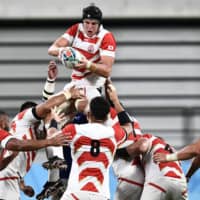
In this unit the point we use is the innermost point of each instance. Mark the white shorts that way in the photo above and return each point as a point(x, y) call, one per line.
point(130, 180)
point(9, 189)
point(90, 91)
point(162, 188)
point(128, 191)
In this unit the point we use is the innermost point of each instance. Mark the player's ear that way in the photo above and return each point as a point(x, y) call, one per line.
point(88, 114)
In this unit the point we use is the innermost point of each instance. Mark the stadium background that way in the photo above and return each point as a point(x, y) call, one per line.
point(157, 71)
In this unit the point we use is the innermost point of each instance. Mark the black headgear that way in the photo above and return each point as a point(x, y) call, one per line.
point(92, 12)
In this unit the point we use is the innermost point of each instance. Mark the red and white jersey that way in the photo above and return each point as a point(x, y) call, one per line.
point(4, 138)
point(167, 169)
point(93, 148)
point(22, 127)
point(114, 121)
point(101, 44)
point(130, 174)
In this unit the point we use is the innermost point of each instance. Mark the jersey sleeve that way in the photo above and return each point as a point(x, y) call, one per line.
point(120, 135)
point(23, 119)
point(70, 33)
point(108, 45)
point(4, 138)
point(69, 129)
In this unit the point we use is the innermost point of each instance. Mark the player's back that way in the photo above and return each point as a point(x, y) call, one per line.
point(167, 169)
point(93, 148)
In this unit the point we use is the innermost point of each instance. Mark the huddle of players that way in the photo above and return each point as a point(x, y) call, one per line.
point(100, 142)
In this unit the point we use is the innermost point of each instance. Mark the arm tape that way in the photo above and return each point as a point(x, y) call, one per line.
point(35, 114)
point(172, 157)
point(124, 118)
point(49, 89)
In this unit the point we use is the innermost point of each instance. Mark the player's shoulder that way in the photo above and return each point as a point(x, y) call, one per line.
point(72, 30)
point(3, 134)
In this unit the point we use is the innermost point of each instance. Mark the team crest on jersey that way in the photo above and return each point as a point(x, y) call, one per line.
point(91, 48)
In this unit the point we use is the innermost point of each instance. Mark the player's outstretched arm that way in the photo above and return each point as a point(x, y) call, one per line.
point(124, 119)
point(195, 165)
point(185, 153)
point(30, 145)
point(43, 109)
point(57, 46)
point(49, 86)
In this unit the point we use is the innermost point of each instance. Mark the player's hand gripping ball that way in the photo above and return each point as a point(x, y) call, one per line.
point(70, 57)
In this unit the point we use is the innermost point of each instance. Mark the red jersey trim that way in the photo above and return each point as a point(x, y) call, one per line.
point(74, 196)
point(131, 182)
point(9, 178)
point(94, 172)
point(157, 187)
point(89, 187)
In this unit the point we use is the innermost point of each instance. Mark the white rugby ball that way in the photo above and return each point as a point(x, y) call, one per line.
point(70, 57)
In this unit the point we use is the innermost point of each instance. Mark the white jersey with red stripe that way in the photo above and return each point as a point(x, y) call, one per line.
point(101, 44)
point(93, 147)
point(162, 180)
point(129, 172)
point(4, 138)
point(168, 169)
point(22, 128)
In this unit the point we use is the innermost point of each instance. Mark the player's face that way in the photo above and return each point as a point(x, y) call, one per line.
point(91, 27)
point(4, 122)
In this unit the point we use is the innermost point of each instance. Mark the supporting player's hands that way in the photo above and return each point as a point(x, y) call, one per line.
point(111, 91)
point(57, 115)
point(52, 70)
point(29, 191)
point(59, 139)
point(26, 189)
point(76, 93)
point(159, 157)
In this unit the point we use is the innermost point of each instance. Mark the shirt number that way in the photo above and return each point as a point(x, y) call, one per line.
point(95, 148)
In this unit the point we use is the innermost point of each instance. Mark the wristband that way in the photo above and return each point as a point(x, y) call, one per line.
point(171, 157)
point(53, 124)
point(88, 65)
point(123, 118)
point(91, 66)
point(51, 80)
point(67, 94)
point(49, 89)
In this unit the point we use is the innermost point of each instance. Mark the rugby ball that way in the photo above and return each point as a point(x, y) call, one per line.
point(70, 57)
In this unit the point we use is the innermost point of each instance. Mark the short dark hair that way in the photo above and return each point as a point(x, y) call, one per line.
point(92, 12)
point(99, 108)
point(26, 105)
point(3, 113)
